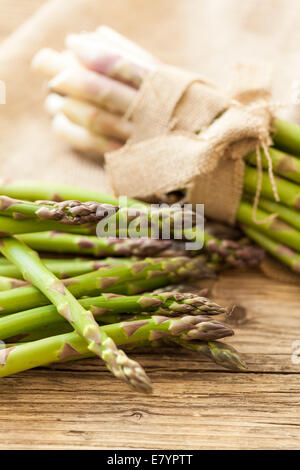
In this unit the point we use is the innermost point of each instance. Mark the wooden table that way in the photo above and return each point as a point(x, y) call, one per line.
point(195, 405)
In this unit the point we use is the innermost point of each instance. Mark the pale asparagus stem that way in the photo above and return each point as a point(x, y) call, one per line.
point(82, 320)
point(50, 62)
point(96, 120)
point(90, 86)
point(70, 345)
point(82, 139)
point(104, 58)
point(107, 35)
point(109, 308)
point(66, 212)
point(59, 242)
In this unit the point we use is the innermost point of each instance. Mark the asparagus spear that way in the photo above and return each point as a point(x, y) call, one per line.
point(82, 320)
point(62, 268)
point(288, 215)
point(93, 87)
point(220, 353)
point(283, 164)
point(57, 348)
point(108, 307)
point(59, 242)
point(50, 62)
point(33, 190)
point(79, 213)
point(96, 120)
point(275, 229)
point(7, 283)
point(234, 253)
point(289, 193)
point(66, 212)
point(222, 231)
point(10, 226)
point(82, 139)
point(127, 278)
point(287, 136)
point(105, 59)
point(280, 251)
point(205, 329)
point(110, 36)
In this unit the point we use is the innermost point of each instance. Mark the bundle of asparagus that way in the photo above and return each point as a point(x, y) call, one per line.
point(93, 84)
point(63, 308)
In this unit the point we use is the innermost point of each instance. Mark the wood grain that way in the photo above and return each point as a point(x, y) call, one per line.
point(195, 404)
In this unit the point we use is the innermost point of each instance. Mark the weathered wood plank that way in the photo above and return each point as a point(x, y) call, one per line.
point(187, 410)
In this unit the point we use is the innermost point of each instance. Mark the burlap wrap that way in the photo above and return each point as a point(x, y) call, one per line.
point(188, 135)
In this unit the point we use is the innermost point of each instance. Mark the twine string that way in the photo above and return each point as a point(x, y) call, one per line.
point(271, 217)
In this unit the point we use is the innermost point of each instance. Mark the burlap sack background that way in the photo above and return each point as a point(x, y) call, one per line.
point(207, 36)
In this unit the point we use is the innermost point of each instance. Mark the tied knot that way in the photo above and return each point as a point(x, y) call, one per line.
point(189, 136)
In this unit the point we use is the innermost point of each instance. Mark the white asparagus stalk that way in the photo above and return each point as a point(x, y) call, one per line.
point(104, 58)
point(50, 62)
point(94, 119)
point(81, 139)
point(91, 86)
point(125, 45)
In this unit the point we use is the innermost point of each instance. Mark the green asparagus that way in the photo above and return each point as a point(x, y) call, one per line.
point(82, 320)
point(66, 212)
point(280, 251)
point(33, 190)
point(10, 226)
point(62, 268)
point(7, 283)
point(108, 306)
point(25, 356)
point(127, 278)
point(283, 164)
point(289, 193)
point(288, 215)
point(286, 136)
point(59, 242)
point(275, 229)
point(220, 353)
